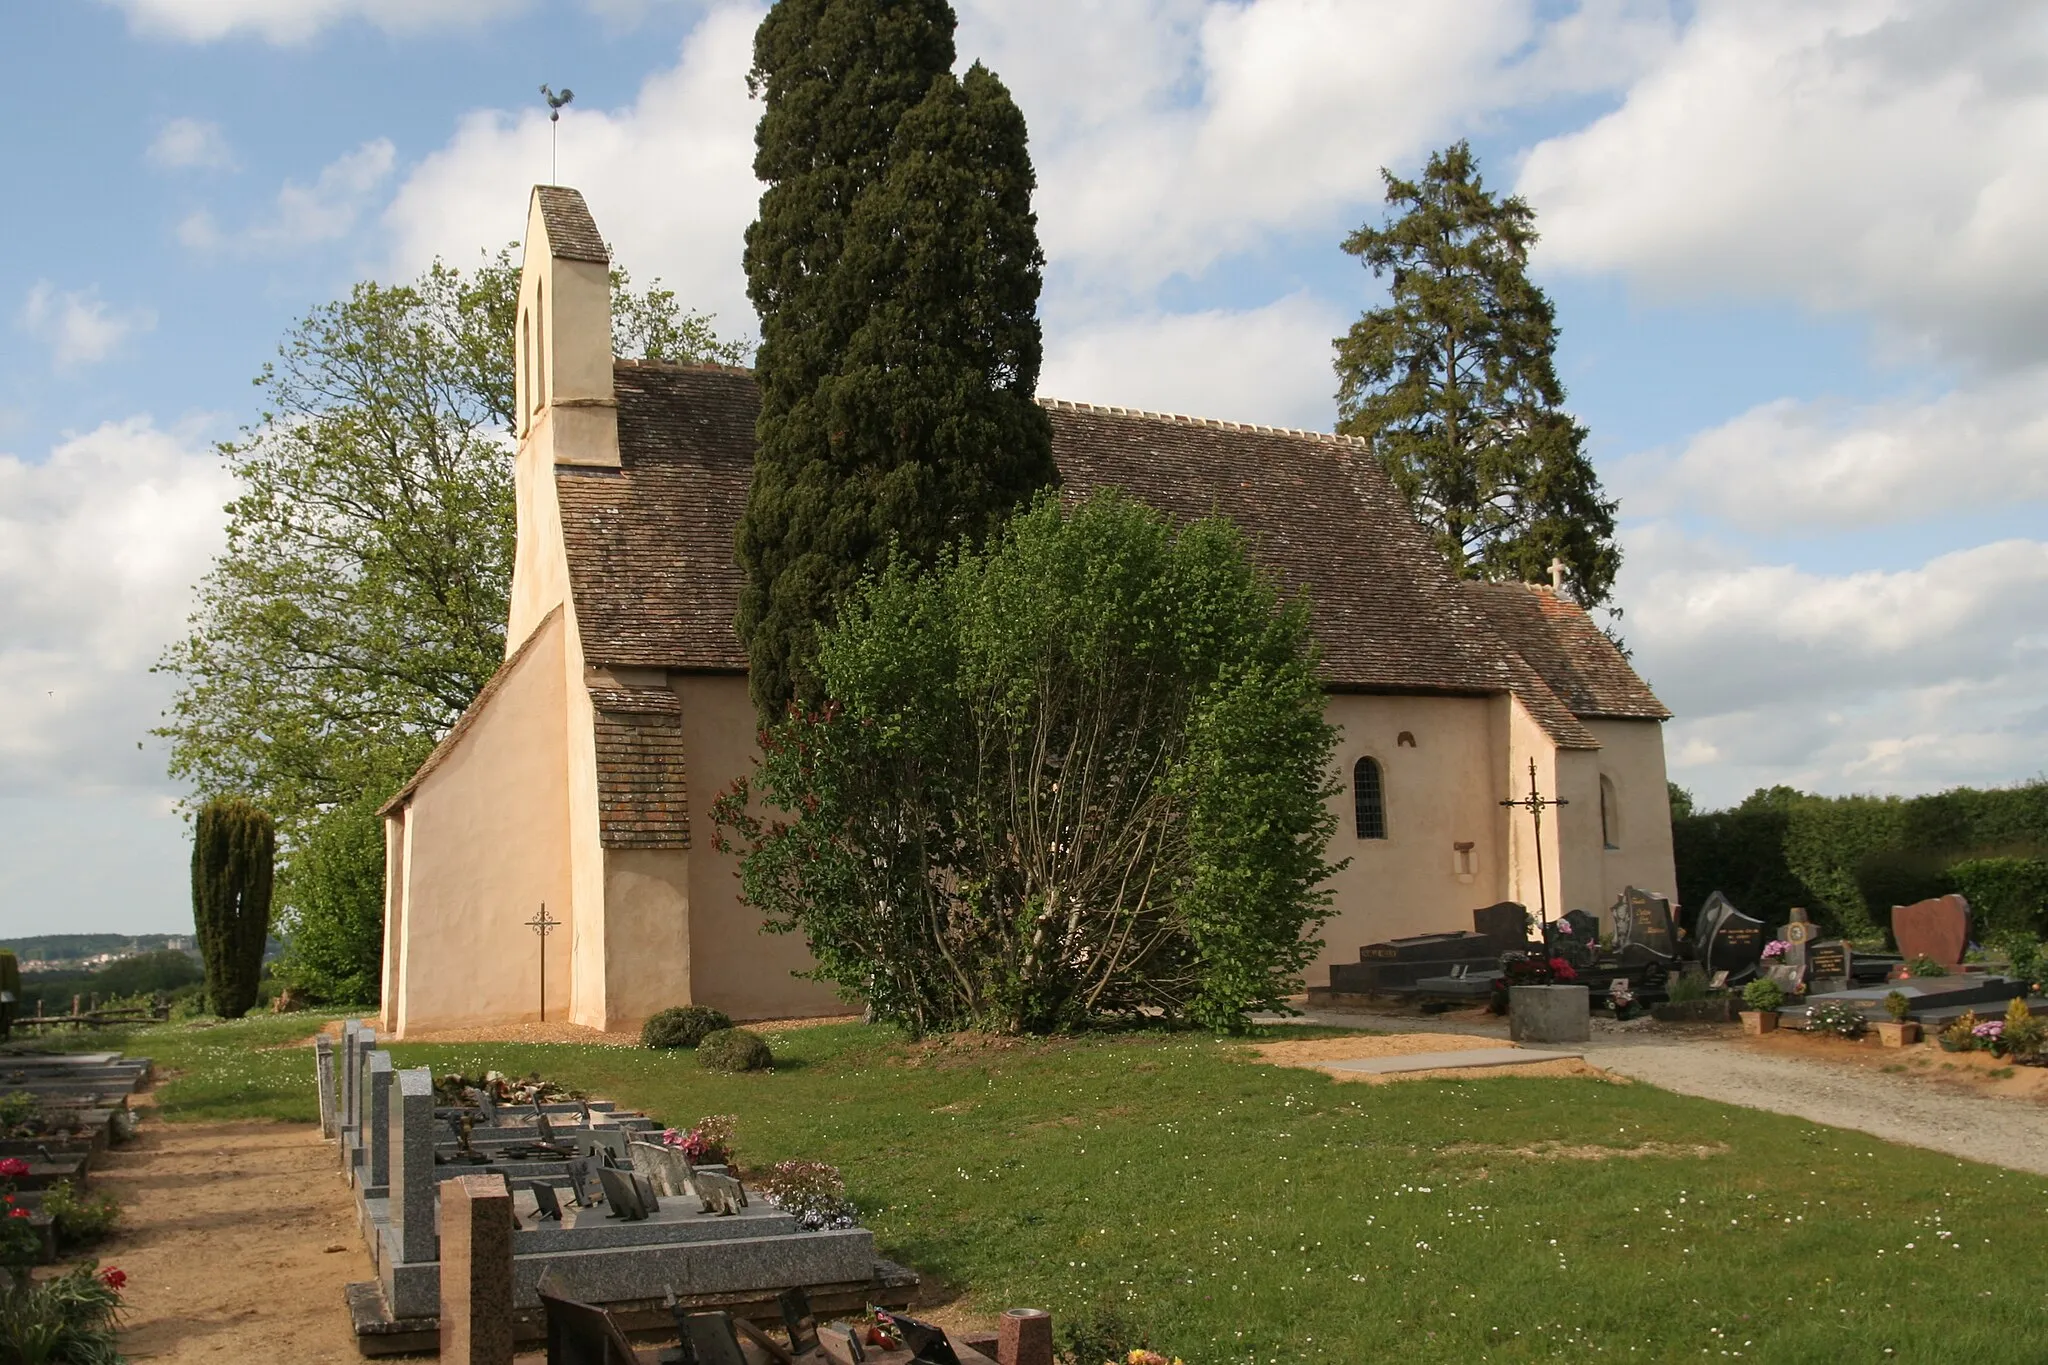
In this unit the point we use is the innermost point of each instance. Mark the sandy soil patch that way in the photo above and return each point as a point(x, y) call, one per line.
point(1974, 1073)
point(1562, 1151)
point(1312, 1052)
point(237, 1239)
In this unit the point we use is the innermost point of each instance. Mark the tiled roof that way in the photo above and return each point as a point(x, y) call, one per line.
point(1579, 663)
point(572, 232)
point(650, 544)
point(642, 795)
point(469, 715)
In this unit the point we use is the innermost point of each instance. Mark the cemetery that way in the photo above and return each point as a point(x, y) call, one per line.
point(59, 1115)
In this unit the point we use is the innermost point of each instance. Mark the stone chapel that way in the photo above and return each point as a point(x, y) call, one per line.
point(581, 776)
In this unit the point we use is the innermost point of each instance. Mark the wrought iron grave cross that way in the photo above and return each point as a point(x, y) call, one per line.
point(1535, 805)
point(543, 925)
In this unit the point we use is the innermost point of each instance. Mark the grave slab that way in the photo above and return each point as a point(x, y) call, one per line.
point(1472, 1058)
point(1549, 1014)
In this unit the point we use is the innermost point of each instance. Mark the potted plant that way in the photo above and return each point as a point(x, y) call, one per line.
point(1902, 1029)
point(1764, 997)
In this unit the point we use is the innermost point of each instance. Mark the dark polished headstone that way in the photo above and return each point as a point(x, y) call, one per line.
point(1830, 964)
point(1728, 940)
point(1644, 919)
point(1505, 926)
point(1451, 947)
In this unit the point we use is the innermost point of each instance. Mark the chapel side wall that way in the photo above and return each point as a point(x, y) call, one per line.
point(733, 965)
point(395, 873)
point(646, 904)
point(1440, 792)
point(489, 846)
point(1581, 860)
point(1632, 758)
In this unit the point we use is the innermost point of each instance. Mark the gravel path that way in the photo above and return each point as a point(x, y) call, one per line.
point(1998, 1131)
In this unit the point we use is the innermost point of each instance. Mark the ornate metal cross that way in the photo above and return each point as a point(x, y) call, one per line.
point(544, 925)
point(1535, 805)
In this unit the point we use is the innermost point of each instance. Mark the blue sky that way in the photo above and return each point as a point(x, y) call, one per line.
point(1794, 252)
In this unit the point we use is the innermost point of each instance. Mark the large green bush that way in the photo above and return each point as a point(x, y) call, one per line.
point(683, 1026)
point(2007, 895)
point(1079, 774)
point(332, 890)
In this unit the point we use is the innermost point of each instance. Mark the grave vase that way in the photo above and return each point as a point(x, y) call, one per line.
point(1759, 1021)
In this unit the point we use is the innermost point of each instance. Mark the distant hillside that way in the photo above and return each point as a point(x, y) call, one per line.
point(77, 947)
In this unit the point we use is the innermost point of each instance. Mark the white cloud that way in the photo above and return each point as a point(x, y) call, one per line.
point(305, 215)
point(1793, 463)
point(100, 544)
point(669, 178)
point(190, 143)
point(1267, 365)
point(1897, 681)
point(1888, 156)
point(1171, 135)
point(79, 329)
point(296, 21)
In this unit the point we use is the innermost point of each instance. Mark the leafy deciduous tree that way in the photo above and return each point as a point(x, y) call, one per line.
point(1455, 386)
point(1081, 773)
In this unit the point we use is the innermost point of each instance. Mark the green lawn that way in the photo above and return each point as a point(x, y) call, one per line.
point(1251, 1214)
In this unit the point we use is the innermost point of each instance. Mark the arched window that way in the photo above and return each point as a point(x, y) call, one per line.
point(540, 345)
point(1610, 814)
point(1370, 798)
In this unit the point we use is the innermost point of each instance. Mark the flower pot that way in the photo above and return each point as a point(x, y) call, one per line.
point(1898, 1034)
point(1759, 1021)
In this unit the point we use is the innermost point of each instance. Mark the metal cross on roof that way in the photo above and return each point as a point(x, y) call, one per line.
point(1535, 804)
point(543, 924)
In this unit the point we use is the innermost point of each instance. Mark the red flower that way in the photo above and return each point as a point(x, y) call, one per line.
point(13, 1166)
point(1562, 970)
point(114, 1278)
point(17, 1213)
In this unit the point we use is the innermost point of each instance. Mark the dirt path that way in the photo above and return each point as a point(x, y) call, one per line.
point(237, 1239)
point(1945, 1104)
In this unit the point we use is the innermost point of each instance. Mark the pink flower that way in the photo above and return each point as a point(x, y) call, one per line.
point(12, 1168)
point(114, 1278)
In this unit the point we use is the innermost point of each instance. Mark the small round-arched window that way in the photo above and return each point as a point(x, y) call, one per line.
point(1369, 798)
point(1610, 814)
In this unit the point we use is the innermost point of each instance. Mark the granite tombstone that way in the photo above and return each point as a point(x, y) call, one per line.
point(1938, 928)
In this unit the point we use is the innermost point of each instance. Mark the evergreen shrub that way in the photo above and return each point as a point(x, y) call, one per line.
point(2006, 895)
point(1763, 995)
point(234, 849)
point(734, 1049)
point(683, 1026)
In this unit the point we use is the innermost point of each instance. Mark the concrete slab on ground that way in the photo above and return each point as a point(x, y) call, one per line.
point(1447, 1061)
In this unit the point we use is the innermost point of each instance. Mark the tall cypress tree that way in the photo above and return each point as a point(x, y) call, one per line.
point(234, 849)
point(896, 268)
point(1454, 384)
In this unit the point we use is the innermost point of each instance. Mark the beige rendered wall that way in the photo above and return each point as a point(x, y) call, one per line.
point(488, 845)
point(647, 908)
point(1440, 792)
point(1631, 757)
point(733, 966)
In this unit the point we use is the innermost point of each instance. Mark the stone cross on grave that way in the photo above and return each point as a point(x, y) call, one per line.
point(1800, 932)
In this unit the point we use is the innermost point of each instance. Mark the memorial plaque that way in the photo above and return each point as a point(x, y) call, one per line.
point(1789, 975)
point(1831, 961)
point(1939, 929)
point(621, 1194)
point(712, 1339)
point(546, 1207)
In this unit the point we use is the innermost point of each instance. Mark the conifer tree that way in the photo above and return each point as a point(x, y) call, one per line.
point(234, 846)
point(896, 268)
point(1455, 386)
